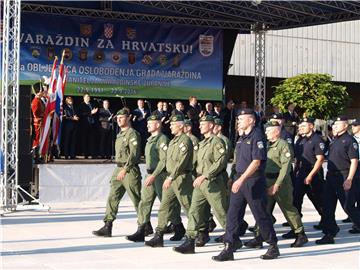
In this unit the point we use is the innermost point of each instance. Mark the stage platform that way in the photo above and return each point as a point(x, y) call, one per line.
point(62, 239)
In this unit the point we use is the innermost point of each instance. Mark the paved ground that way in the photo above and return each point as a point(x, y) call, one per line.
point(62, 239)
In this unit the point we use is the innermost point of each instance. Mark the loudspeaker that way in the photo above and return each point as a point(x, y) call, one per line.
point(25, 165)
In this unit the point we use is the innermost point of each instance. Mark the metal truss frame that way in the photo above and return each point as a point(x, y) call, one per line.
point(10, 103)
point(260, 76)
point(10, 190)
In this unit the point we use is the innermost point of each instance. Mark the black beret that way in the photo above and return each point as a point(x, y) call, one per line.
point(307, 120)
point(277, 116)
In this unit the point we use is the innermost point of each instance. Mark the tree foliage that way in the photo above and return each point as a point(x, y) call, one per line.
point(313, 94)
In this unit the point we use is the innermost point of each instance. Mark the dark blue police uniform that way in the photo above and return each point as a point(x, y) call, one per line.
point(253, 191)
point(341, 150)
point(306, 150)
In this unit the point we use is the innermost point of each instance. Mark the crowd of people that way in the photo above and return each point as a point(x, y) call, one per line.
point(186, 157)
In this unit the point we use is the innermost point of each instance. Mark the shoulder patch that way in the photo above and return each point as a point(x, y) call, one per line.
point(162, 145)
point(260, 144)
point(132, 139)
point(181, 145)
point(356, 146)
point(196, 147)
point(222, 150)
point(134, 142)
point(322, 146)
point(165, 147)
point(289, 140)
point(183, 148)
point(287, 155)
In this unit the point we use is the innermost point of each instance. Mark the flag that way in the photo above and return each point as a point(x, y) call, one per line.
point(59, 93)
point(50, 106)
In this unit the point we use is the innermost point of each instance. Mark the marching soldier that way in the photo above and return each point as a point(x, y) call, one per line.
point(309, 155)
point(209, 186)
point(341, 180)
point(127, 176)
point(248, 187)
point(155, 158)
point(279, 186)
point(178, 183)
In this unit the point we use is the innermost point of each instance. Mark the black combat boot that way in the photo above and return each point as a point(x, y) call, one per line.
point(138, 236)
point(179, 232)
point(220, 239)
point(156, 241)
point(226, 254)
point(254, 243)
point(289, 235)
point(237, 245)
point(188, 247)
point(148, 229)
point(301, 239)
point(243, 227)
point(202, 238)
point(327, 239)
point(212, 225)
point(104, 231)
point(169, 228)
point(272, 253)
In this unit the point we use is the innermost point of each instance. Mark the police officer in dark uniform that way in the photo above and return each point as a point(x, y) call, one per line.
point(249, 187)
point(309, 175)
point(341, 180)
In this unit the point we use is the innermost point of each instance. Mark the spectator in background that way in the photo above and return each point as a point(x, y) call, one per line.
point(217, 111)
point(209, 109)
point(140, 125)
point(291, 119)
point(88, 127)
point(69, 128)
point(260, 118)
point(106, 126)
point(159, 111)
point(229, 117)
point(166, 121)
point(193, 113)
point(179, 108)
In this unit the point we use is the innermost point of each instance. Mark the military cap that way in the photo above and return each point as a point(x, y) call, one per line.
point(218, 121)
point(356, 122)
point(207, 118)
point(123, 111)
point(177, 118)
point(154, 117)
point(277, 116)
point(309, 120)
point(246, 111)
point(341, 118)
point(187, 122)
point(272, 124)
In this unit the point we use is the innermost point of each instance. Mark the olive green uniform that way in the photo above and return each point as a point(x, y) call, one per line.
point(211, 161)
point(277, 171)
point(127, 156)
point(179, 160)
point(195, 142)
point(155, 158)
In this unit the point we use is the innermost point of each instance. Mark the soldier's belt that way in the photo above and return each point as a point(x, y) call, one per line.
point(120, 165)
point(271, 175)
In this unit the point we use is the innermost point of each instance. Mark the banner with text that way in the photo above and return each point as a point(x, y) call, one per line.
point(122, 58)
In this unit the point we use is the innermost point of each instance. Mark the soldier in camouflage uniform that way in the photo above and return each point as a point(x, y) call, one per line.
point(209, 186)
point(178, 183)
point(127, 176)
point(155, 158)
point(278, 183)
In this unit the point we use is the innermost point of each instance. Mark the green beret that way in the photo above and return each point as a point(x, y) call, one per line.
point(187, 122)
point(154, 117)
point(218, 121)
point(307, 120)
point(272, 124)
point(207, 118)
point(123, 111)
point(177, 118)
